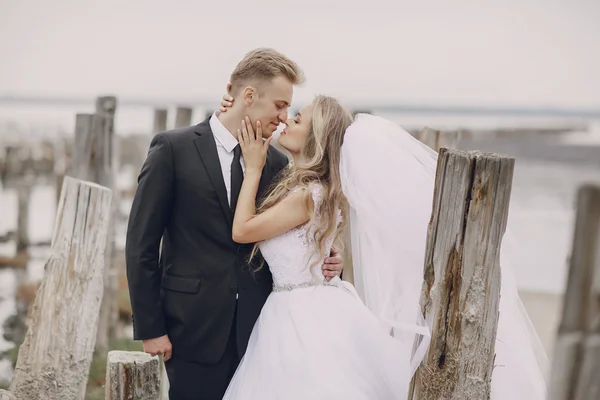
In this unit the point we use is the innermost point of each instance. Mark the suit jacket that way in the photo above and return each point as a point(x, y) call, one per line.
point(190, 293)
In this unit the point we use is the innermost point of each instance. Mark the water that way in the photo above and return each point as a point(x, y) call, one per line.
point(540, 220)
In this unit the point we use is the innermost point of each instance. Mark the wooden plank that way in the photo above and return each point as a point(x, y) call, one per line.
point(132, 375)
point(576, 361)
point(461, 292)
point(54, 359)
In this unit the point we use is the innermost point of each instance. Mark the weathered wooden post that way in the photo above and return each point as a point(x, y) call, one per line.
point(92, 162)
point(106, 168)
point(461, 291)
point(2, 165)
point(183, 117)
point(55, 357)
point(132, 375)
point(575, 371)
point(23, 187)
point(428, 137)
point(60, 165)
point(160, 120)
point(436, 139)
point(448, 140)
point(13, 165)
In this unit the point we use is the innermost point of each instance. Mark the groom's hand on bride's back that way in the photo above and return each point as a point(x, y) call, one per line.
point(227, 101)
point(333, 265)
point(158, 346)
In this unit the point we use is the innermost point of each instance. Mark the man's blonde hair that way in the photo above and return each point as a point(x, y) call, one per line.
point(264, 64)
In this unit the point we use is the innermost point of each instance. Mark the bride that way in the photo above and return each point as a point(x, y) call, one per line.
point(371, 339)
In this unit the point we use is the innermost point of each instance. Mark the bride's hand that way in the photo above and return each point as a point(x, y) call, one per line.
point(254, 149)
point(227, 101)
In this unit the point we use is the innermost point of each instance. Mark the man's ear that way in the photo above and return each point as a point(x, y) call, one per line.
point(249, 95)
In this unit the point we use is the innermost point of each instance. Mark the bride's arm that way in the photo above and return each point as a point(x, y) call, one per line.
point(285, 215)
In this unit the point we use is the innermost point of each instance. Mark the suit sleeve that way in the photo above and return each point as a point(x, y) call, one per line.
point(149, 215)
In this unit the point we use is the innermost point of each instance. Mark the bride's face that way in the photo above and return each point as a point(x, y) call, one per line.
point(294, 136)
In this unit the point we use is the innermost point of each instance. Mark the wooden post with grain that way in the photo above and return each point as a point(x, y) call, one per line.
point(437, 139)
point(23, 187)
point(183, 117)
point(575, 371)
point(461, 289)
point(132, 375)
point(160, 120)
point(55, 357)
point(92, 162)
point(105, 131)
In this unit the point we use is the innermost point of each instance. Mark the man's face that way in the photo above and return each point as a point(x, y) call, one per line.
point(271, 105)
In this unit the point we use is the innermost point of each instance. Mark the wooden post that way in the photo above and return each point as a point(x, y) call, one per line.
point(23, 195)
point(438, 139)
point(61, 165)
point(106, 107)
point(109, 312)
point(429, 137)
point(160, 120)
point(461, 291)
point(448, 140)
point(12, 164)
point(132, 375)
point(576, 362)
point(183, 117)
point(2, 165)
point(55, 357)
point(92, 162)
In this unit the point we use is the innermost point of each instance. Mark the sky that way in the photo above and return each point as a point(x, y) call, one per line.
point(503, 53)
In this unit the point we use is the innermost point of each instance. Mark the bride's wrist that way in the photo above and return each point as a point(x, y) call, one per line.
point(253, 172)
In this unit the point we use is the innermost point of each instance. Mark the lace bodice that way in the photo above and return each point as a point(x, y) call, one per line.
point(291, 256)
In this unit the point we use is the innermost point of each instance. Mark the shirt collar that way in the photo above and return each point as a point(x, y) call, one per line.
point(223, 136)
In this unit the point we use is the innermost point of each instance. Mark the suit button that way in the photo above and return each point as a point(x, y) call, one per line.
point(233, 289)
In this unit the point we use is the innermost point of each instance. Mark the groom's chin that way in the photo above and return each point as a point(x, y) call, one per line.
point(268, 132)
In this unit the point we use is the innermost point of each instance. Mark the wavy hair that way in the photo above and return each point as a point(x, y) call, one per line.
point(321, 164)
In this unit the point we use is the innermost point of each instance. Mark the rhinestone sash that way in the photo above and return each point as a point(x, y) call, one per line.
point(291, 286)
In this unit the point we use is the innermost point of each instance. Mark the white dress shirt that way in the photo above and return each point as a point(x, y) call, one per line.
point(225, 142)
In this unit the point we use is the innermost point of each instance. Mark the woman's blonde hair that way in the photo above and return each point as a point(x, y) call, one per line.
point(321, 165)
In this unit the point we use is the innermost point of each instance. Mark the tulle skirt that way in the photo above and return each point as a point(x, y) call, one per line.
point(320, 343)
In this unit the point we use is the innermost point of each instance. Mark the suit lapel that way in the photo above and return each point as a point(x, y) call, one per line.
point(265, 179)
point(207, 149)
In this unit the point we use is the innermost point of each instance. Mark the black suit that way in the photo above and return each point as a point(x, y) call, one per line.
point(190, 294)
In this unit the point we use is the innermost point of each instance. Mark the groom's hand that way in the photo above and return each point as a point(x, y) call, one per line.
point(333, 265)
point(158, 346)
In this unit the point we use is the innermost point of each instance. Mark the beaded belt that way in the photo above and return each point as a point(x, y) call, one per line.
point(291, 286)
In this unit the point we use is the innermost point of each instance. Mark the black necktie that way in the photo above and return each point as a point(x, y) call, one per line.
point(237, 176)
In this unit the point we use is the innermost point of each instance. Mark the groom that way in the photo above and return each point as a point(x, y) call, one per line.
point(195, 300)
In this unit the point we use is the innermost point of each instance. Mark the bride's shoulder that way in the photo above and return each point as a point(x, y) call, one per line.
point(314, 191)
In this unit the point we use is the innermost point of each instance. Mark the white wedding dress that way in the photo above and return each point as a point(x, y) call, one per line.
point(315, 340)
